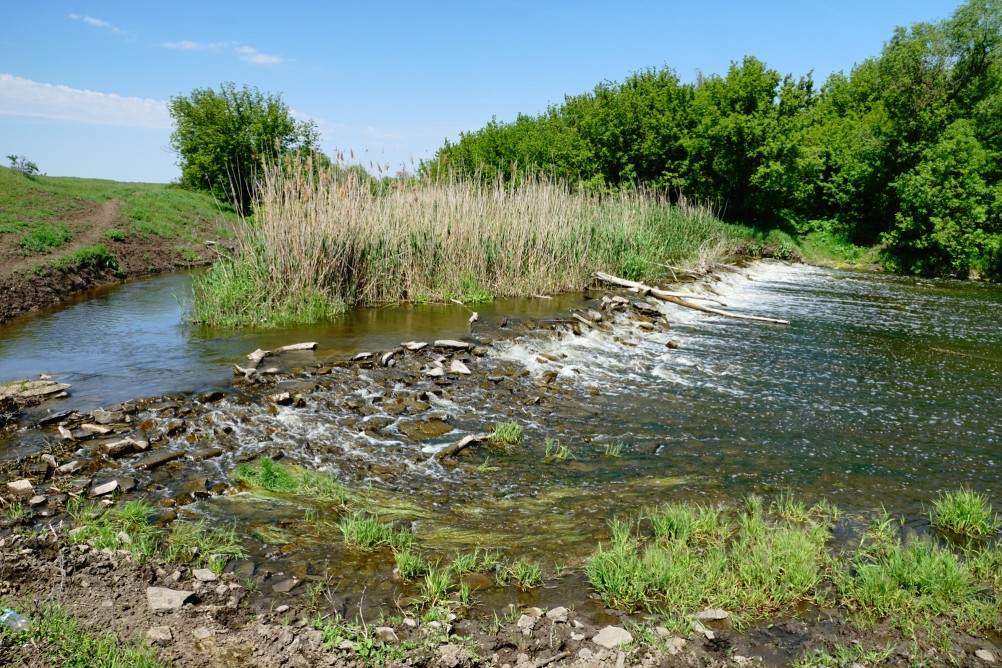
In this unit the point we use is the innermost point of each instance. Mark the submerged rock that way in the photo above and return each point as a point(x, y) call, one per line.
point(426, 429)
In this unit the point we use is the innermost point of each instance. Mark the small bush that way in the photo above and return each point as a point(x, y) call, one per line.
point(23, 166)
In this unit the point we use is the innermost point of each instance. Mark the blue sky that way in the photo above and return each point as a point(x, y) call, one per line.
point(83, 85)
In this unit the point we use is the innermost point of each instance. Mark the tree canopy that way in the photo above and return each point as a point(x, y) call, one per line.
point(222, 136)
point(905, 151)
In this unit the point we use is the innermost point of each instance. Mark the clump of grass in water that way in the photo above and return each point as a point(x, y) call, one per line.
point(324, 239)
point(410, 565)
point(556, 451)
point(364, 531)
point(273, 476)
point(964, 512)
point(507, 433)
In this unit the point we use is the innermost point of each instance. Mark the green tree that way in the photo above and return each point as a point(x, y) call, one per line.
point(222, 136)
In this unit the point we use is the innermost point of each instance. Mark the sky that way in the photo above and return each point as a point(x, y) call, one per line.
point(84, 84)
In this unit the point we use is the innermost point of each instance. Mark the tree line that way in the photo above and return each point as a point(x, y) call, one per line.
point(903, 152)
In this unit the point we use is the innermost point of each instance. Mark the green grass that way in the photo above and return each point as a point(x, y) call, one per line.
point(129, 527)
point(62, 639)
point(96, 256)
point(556, 452)
point(322, 241)
point(613, 449)
point(364, 531)
point(269, 475)
point(45, 238)
point(964, 512)
point(410, 564)
point(506, 433)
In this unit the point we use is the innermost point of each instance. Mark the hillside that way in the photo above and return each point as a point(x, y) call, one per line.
point(63, 235)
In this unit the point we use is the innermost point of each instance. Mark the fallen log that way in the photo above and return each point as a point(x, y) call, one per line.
point(670, 297)
point(455, 448)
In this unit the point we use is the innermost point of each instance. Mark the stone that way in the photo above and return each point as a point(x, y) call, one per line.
point(281, 609)
point(452, 344)
point(164, 599)
point(158, 459)
point(282, 398)
point(526, 623)
point(118, 448)
point(387, 635)
point(285, 586)
point(711, 614)
point(557, 614)
point(107, 417)
point(37, 500)
point(21, 487)
point(612, 637)
point(95, 429)
point(435, 372)
point(698, 627)
point(202, 632)
point(419, 431)
point(204, 575)
point(459, 367)
point(673, 344)
point(106, 488)
point(160, 635)
point(410, 623)
point(69, 468)
point(985, 655)
point(50, 461)
point(413, 345)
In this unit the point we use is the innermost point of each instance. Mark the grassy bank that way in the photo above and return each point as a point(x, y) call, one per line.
point(45, 219)
point(324, 239)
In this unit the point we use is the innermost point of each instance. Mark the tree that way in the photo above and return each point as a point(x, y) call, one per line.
point(222, 136)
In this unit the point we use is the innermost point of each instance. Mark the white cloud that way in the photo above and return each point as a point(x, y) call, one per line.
point(97, 23)
point(249, 54)
point(189, 45)
point(24, 97)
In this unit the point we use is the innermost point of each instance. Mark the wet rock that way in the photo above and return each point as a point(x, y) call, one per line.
point(205, 453)
point(387, 635)
point(103, 417)
point(452, 344)
point(308, 345)
point(435, 372)
point(158, 459)
point(557, 614)
point(413, 346)
point(104, 488)
point(712, 614)
point(285, 586)
point(282, 399)
point(160, 635)
point(673, 344)
point(212, 396)
point(64, 433)
point(50, 461)
point(459, 367)
point(95, 429)
point(119, 448)
point(31, 389)
point(21, 487)
point(358, 357)
point(163, 599)
point(425, 429)
point(612, 637)
point(594, 315)
point(37, 500)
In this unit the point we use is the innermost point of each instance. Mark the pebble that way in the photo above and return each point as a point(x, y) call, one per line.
point(282, 609)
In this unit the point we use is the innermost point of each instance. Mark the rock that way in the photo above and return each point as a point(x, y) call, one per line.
point(102, 416)
point(212, 396)
point(309, 345)
point(282, 398)
point(711, 614)
point(385, 358)
point(285, 586)
point(118, 448)
point(258, 355)
point(426, 429)
point(204, 575)
point(162, 598)
point(30, 389)
point(526, 623)
point(435, 372)
point(95, 429)
point(158, 459)
point(37, 500)
point(106, 488)
point(452, 656)
point(50, 461)
point(452, 344)
point(480, 351)
point(69, 468)
point(160, 635)
point(413, 345)
point(673, 344)
point(594, 315)
point(64, 433)
point(282, 609)
point(387, 635)
point(202, 632)
point(612, 637)
point(557, 614)
point(358, 357)
point(21, 487)
point(698, 627)
point(459, 367)
point(985, 655)
point(410, 623)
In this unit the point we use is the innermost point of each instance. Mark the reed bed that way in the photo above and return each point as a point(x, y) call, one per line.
point(325, 238)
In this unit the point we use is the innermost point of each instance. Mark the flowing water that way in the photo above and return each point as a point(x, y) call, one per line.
point(882, 391)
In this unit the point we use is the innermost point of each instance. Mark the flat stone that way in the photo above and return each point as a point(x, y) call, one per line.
point(452, 344)
point(387, 635)
point(985, 655)
point(203, 632)
point(459, 367)
point(426, 429)
point(557, 614)
point(612, 637)
point(358, 357)
point(712, 614)
point(106, 488)
point(204, 575)
point(21, 487)
point(282, 609)
point(308, 345)
point(285, 586)
point(64, 433)
point(95, 429)
point(118, 448)
point(162, 598)
point(160, 635)
point(70, 468)
point(158, 459)
point(37, 500)
point(107, 417)
point(435, 372)
point(413, 345)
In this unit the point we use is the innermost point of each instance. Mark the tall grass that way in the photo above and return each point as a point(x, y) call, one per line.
point(323, 239)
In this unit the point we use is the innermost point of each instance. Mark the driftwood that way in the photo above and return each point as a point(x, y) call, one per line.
point(670, 297)
point(455, 448)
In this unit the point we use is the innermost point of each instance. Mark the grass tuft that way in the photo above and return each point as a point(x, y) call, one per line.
point(507, 433)
point(964, 512)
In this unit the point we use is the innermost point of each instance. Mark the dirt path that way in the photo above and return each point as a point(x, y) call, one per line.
point(30, 282)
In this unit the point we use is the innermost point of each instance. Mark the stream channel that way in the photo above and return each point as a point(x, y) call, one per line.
point(883, 391)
